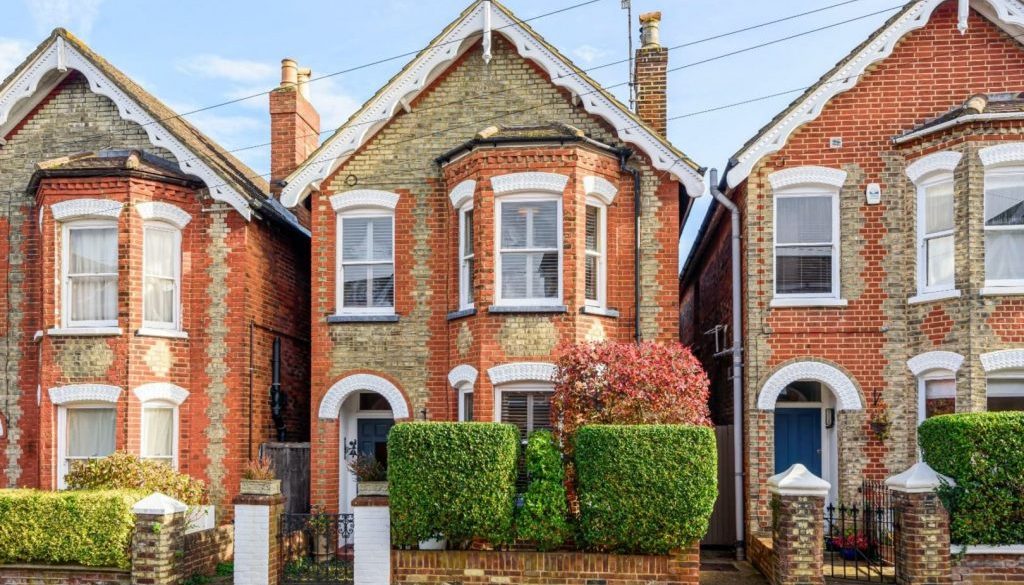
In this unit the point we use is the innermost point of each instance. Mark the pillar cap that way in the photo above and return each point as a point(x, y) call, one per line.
point(919, 479)
point(798, 481)
point(157, 504)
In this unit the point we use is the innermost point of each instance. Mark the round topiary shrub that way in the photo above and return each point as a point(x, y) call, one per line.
point(984, 453)
point(543, 518)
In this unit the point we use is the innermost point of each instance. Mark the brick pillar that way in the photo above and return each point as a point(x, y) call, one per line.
point(798, 532)
point(922, 536)
point(372, 529)
point(159, 527)
point(651, 75)
point(257, 539)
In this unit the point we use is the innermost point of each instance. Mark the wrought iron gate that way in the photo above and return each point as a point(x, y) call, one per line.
point(316, 549)
point(860, 540)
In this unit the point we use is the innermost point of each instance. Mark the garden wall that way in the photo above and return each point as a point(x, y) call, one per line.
point(537, 568)
point(203, 551)
point(58, 575)
point(981, 566)
point(761, 554)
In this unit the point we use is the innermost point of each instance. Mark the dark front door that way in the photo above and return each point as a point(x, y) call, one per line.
point(372, 437)
point(798, 439)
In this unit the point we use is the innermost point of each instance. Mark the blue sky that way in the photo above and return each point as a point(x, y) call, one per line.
point(192, 53)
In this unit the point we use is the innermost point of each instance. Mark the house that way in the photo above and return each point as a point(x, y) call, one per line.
point(882, 225)
point(146, 274)
point(482, 208)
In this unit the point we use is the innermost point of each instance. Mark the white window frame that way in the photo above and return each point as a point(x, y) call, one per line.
point(923, 237)
point(520, 198)
point(601, 254)
point(175, 324)
point(63, 461)
point(369, 213)
point(65, 280)
point(519, 388)
point(466, 300)
point(160, 405)
point(808, 299)
point(1002, 286)
point(464, 390)
point(922, 390)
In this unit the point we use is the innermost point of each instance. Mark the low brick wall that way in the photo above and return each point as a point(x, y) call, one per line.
point(203, 551)
point(986, 569)
point(62, 575)
point(539, 568)
point(761, 554)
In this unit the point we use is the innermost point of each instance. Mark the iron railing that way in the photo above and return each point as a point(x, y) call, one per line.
point(860, 540)
point(317, 549)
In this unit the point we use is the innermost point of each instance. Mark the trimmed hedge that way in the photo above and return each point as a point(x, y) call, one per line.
point(984, 453)
point(452, 480)
point(77, 527)
point(542, 519)
point(125, 471)
point(644, 488)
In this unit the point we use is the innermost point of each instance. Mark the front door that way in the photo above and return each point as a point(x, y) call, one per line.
point(798, 439)
point(372, 437)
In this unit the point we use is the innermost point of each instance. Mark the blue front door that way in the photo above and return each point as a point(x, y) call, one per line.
point(372, 437)
point(798, 439)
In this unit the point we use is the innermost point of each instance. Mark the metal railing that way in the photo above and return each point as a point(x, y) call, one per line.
point(316, 549)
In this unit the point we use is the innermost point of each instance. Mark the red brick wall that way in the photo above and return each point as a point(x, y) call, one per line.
point(43, 575)
point(979, 569)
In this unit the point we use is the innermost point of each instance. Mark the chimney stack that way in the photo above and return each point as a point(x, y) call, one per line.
point(651, 75)
point(294, 123)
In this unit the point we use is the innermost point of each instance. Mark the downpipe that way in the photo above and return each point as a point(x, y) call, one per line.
point(624, 155)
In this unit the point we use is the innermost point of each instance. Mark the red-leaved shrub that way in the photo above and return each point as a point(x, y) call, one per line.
point(628, 383)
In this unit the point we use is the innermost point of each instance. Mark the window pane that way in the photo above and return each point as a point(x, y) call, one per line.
point(593, 227)
point(93, 251)
point(1004, 251)
point(938, 204)
point(803, 391)
point(383, 285)
point(804, 270)
point(467, 406)
point(940, 397)
point(515, 411)
point(545, 224)
point(356, 278)
point(513, 275)
point(159, 251)
point(529, 224)
point(590, 278)
point(1004, 200)
point(1005, 395)
point(804, 220)
point(541, 411)
point(467, 233)
point(158, 432)
point(513, 224)
point(940, 261)
point(93, 298)
point(354, 234)
point(545, 275)
point(381, 238)
point(158, 301)
point(467, 280)
point(90, 432)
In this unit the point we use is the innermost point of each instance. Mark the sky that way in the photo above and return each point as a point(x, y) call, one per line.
point(197, 53)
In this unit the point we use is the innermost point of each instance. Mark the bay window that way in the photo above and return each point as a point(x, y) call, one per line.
point(466, 257)
point(595, 267)
point(1006, 391)
point(806, 243)
point(161, 268)
point(366, 261)
point(935, 235)
point(529, 250)
point(1004, 227)
point(90, 274)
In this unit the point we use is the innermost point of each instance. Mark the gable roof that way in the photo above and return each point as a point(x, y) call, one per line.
point(482, 18)
point(228, 179)
point(1006, 14)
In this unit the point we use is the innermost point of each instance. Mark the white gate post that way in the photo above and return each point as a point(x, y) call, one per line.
point(372, 529)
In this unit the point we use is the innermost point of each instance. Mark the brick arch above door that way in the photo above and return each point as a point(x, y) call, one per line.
point(845, 391)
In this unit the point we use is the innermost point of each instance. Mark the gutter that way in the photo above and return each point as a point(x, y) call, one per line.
point(956, 122)
point(497, 141)
point(737, 356)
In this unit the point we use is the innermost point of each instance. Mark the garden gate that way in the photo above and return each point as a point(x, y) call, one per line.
point(860, 541)
point(316, 549)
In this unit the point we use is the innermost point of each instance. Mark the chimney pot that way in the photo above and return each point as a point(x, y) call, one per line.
point(289, 72)
point(650, 30)
point(302, 78)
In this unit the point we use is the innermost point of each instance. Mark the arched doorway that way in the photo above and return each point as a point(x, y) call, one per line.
point(806, 399)
point(366, 407)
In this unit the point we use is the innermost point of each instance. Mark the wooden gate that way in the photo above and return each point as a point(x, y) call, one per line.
point(722, 527)
point(291, 463)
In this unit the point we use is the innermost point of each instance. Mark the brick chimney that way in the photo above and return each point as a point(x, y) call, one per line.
point(651, 76)
point(294, 123)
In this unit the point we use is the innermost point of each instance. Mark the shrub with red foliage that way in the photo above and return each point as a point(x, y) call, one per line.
point(628, 383)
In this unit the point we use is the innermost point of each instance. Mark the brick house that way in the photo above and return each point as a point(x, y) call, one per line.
point(881, 225)
point(146, 276)
point(478, 211)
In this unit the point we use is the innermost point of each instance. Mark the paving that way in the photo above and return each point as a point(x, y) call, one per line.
point(721, 568)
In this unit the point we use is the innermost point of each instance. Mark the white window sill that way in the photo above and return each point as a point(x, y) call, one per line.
point(84, 331)
point(808, 302)
point(362, 318)
point(156, 332)
point(526, 308)
point(993, 291)
point(933, 296)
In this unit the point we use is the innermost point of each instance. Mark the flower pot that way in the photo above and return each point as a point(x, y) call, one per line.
point(321, 548)
point(433, 544)
point(372, 488)
point(850, 554)
point(261, 487)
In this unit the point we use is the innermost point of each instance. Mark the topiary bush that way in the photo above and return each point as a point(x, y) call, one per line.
point(84, 528)
point(124, 471)
point(452, 480)
point(984, 453)
point(646, 488)
point(543, 517)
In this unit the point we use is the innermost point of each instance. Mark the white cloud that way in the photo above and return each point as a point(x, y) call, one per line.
point(12, 53)
point(237, 70)
point(333, 102)
point(76, 15)
point(588, 53)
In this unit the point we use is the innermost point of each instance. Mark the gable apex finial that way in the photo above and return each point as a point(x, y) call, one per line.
point(963, 12)
point(487, 32)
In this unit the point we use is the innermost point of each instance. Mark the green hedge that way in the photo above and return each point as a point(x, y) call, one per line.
point(79, 527)
point(452, 480)
point(984, 453)
point(644, 488)
point(543, 517)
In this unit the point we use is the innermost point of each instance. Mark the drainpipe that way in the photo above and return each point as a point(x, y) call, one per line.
point(737, 357)
point(624, 155)
point(276, 396)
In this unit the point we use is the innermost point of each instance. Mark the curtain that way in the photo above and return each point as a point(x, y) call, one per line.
point(158, 432)
point(160, 252)
point(940, 252)
point(938, 208)
point(1006, 394)
point(1004, 251)
point(1004, 211)
point(90, 432)
point(92, 274)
